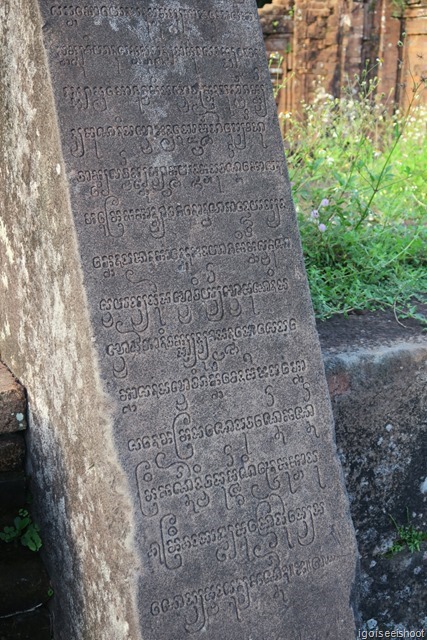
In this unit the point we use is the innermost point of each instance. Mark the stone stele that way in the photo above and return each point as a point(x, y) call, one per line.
point(155, 305)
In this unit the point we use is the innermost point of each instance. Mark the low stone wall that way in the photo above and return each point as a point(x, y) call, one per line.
point(377, 376)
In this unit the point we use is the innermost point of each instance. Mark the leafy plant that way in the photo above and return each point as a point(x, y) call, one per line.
point(23, 529)
point(408, 537)
point(359, 184)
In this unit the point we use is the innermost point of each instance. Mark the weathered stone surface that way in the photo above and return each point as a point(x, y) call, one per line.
point(377, 374)
point(12, 403)
point(12, 452)
point(195, 294)
point(45, 339)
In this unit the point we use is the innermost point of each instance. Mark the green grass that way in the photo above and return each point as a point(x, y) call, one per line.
point(409, 538)
point(359, 178)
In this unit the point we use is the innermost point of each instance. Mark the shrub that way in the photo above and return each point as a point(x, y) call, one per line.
point(360, 189)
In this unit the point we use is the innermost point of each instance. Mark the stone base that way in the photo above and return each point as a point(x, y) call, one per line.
point(377, 376)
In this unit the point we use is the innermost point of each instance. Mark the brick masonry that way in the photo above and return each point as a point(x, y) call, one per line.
point(324, 42)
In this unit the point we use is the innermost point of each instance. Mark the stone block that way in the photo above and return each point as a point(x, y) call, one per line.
point(377, 375)
point(181, 432)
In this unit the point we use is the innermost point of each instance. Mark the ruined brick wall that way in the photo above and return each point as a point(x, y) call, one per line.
point(321, 29)
point(327, 43)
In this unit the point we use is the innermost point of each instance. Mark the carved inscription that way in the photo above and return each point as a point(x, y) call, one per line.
point(194, 433)
point(200, 310)
point(204, 603)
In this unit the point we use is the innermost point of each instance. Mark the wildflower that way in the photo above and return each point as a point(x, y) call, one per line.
point(314, 214)
point(324, 202)
point(322, 227)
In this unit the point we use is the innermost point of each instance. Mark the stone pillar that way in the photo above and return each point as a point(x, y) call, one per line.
point(45, 339)
point(118, 266)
